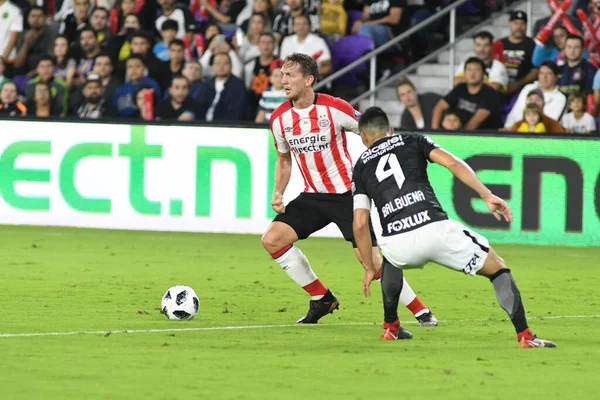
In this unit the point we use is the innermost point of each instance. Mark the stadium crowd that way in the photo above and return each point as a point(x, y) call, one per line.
point(220, 60)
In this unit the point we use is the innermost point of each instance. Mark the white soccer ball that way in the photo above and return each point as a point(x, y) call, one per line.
point(180, 303)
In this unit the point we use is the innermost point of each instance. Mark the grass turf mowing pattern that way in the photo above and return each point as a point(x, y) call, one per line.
point(57, 279)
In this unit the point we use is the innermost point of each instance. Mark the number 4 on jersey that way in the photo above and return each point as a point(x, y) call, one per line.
point(394, 169)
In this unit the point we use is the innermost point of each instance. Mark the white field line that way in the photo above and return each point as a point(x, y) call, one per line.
point(223, 328)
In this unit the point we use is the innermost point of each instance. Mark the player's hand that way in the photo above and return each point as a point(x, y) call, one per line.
point(498, 207)
point(368, 278)
point(277, 203)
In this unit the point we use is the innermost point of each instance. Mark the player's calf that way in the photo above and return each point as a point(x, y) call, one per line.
point(509, 298)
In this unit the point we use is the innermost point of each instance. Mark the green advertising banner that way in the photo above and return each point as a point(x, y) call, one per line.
point(217, 179)
point(551, 184)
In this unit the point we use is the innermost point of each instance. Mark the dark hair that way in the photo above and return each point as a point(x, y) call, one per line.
point(100, 9)
point(65, 60)
point(32, 105)
point(269, 34)
point(103, 55)
point(169, 25)
point(450, 111)
point(562, 28)
point(304, 16)
point(37, 8)
point(577, 96)
point(307, 64)
point(136, 57)
point(576, 37)
point(374, 120)
point(219, 53)
point(179, 76)
point(475, 60)
point(47, 57)
point(215, 25)
point(484, 35)
point(177, 42)
point(87, 29)
point(552, 65)
point(143, 35)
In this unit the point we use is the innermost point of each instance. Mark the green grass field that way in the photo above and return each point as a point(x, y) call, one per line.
point(108, 282)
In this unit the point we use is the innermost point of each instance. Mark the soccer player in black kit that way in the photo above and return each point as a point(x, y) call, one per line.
point(393, 173)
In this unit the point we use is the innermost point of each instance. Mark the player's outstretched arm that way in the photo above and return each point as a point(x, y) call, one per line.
point(462, 171)
point(360, 227)
point(283, 172)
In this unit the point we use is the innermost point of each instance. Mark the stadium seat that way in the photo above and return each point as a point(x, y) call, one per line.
point(349, 49)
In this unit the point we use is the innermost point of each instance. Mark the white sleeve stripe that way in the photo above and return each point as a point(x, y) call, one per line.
point(362, 201)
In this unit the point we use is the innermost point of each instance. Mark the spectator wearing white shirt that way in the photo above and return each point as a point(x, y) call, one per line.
point(496, 74)
point(555, 102)
point(578, 121)
point(307, 43)
point(11, 25)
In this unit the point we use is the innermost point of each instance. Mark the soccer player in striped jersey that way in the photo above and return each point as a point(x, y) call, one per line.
point(312, 127)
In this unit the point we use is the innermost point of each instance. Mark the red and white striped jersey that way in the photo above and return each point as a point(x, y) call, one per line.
point(317, 138)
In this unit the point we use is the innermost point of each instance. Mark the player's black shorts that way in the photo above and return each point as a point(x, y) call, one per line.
point(310, 212)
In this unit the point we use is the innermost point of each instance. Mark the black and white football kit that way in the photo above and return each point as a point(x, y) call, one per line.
point(416, 229)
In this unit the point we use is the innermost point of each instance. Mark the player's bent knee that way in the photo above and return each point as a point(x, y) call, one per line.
point(493, 264)
point(277, 237)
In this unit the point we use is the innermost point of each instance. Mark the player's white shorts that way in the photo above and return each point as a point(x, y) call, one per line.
point(448, 243)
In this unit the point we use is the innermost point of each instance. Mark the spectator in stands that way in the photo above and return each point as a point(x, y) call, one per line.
point(537, 97)
point(256, 72)
point(11, 25)
point(307, 43)
point(123, 100)
point(75, 20)
point(65, 65)
point(143, 110)
point(90, 48)
point(193, 72)
point(262, 7)
point(3, 78)
point(496, 75)
point(248, 45)
point(220, 44)
point(10, 106)
point(532, 120)
point(380, 20)
point(577, 74)
point(37, 42)
point(43, 105)
point(119, 46)
point(273, 96)
point(180, 106)
point(555, 51)
point(227, 100)
point(451, 120)
point(578, 120)
point(141, 45)
point(226, 13)
point(284, 20)
point(477, 103)
point(333, 19)
point(168, 32)
point(99, 23)
point(176, 59)
point(104, 68)
point(58, 88)
point(184, 18)
point(517, 52)
point(555, 101)
point(418, 108)
point(94, 106)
